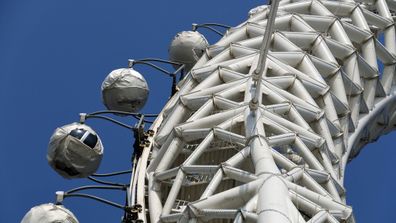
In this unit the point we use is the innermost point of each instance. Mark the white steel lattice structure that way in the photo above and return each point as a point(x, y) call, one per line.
point(327, 89)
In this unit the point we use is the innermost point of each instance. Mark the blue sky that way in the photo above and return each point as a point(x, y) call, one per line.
point(54, 56)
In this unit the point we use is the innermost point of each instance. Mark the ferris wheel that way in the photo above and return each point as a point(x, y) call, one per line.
point(260, 125)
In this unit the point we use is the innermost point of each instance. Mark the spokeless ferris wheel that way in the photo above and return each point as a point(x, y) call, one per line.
point(261, 124)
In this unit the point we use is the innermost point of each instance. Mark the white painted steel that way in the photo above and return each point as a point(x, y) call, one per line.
point(327, 89)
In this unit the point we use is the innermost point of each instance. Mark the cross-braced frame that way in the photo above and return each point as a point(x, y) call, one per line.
point(327, 89)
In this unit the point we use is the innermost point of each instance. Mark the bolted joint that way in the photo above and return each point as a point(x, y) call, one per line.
point(253, 105)
point(194, 26)
point(60, 195)
point(256, 76)
point(131, 213)
point(138, 207)
point(83, 117)
point(131, 62)
point(150, 132)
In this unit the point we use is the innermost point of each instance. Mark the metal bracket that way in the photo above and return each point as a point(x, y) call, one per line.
point(60, 195)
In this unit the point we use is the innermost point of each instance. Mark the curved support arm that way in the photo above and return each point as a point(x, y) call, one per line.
point(209, 26)
point(148, 62)
point(107, 182)
point(134, 114)
point(111, 120)
point(140, 117)
point(153, 66)
point(90, 187)
point(97, 199)
point(158, 60)
point(111, 174)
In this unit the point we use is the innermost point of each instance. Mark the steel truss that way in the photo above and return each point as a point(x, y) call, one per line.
point(327, 89)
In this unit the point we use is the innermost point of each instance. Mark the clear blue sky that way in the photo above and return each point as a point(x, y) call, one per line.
point(54, 56)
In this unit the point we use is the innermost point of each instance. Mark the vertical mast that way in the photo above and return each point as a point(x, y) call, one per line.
point(260, 69)
point(272, 193)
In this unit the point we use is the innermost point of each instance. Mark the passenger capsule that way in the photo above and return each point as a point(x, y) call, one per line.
point(187, 47)
point(75, 151)
point(49, 213)
point(125, 90)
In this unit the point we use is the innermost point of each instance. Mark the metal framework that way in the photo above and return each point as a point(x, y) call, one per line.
point(326, 90)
